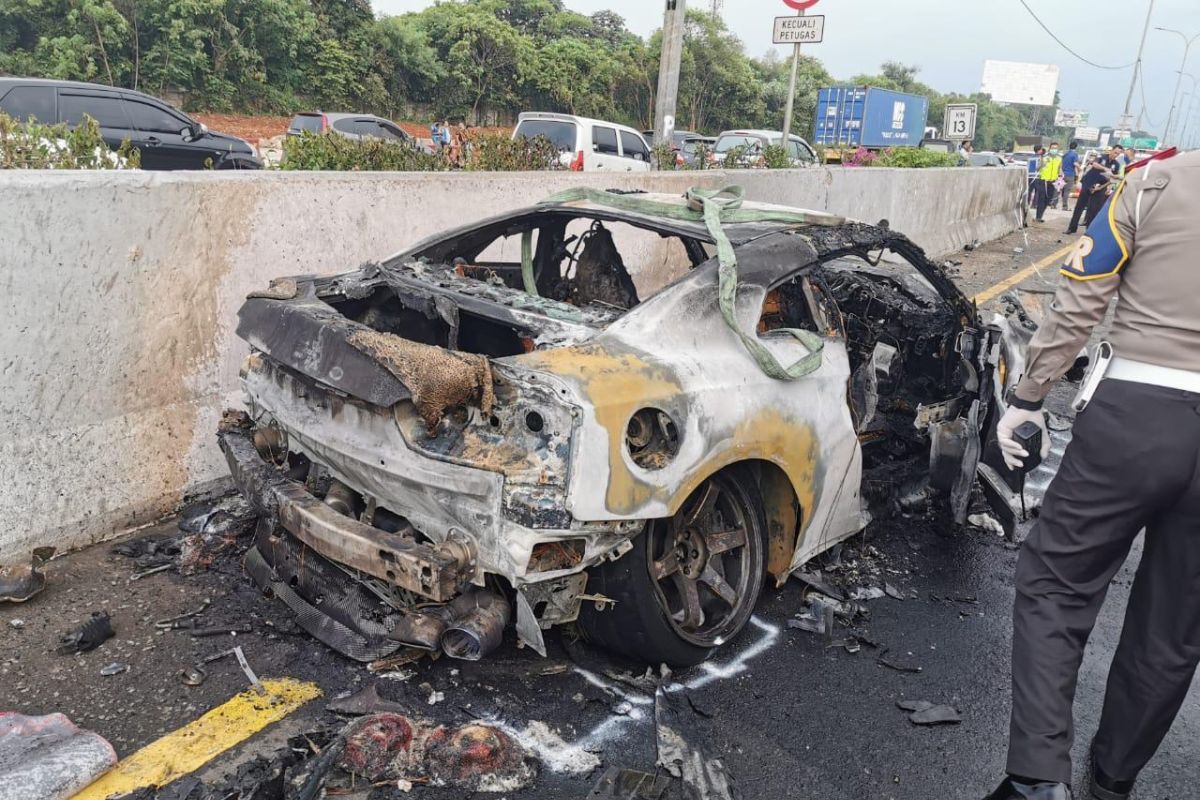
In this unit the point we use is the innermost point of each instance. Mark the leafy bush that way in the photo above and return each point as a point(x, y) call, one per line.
point(775, 156)
point(497, 152)
point(737, 157)
point(913, 158)
point(662, 156)
point(31, 145)
point(332, 152)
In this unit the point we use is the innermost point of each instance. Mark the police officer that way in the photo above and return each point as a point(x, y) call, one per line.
point(1133, 464)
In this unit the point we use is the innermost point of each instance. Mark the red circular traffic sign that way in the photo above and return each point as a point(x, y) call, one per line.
point(800, 5)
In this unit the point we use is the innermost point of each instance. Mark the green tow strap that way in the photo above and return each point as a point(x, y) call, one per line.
point(714, 207)
point(527, 276)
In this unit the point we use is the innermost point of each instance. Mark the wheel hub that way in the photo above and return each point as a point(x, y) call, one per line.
point(691, 551)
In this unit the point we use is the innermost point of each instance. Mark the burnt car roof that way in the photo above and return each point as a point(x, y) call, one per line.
point(739, 233)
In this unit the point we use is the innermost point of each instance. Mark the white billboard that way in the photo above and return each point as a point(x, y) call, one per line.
point(1016, 82)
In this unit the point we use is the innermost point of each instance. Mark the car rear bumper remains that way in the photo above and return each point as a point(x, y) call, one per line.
point(434, 571)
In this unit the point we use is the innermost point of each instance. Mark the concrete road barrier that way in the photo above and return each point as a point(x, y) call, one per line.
point(120, 292)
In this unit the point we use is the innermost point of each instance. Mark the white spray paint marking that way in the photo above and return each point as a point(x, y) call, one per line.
point(710, 672)
point(554, 752)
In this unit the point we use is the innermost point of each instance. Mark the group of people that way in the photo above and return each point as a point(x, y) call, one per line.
point(449, 140)
point(1054, 175)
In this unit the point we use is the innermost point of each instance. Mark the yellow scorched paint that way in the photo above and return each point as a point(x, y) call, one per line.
point(195, 744)
point(619, 384)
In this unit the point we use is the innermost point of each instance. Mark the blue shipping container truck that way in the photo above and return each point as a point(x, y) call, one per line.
point(849, 116)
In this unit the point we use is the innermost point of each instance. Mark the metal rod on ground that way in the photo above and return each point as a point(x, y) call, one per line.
point(1137, 66)
point(791, 100)
point(674, 22)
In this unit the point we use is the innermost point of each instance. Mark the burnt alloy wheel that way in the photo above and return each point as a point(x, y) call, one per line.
point(691, 581)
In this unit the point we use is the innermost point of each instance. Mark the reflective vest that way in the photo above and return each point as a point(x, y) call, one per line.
point(1051, 169)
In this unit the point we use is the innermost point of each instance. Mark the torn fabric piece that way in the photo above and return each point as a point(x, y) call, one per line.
point(49, 758)
point(438, 379)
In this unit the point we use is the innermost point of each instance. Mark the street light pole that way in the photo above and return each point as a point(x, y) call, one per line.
point(1137, 66)
point(1183, 104)
point(668, 70)
point(791, 101)
point(1187, 46)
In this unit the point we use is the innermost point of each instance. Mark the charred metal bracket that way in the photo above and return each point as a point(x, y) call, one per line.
point(436, 571)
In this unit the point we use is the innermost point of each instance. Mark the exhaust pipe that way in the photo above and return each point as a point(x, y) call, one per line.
point(480, 617)
point(423, 629)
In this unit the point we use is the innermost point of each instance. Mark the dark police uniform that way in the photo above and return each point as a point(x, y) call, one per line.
point(1133, 465)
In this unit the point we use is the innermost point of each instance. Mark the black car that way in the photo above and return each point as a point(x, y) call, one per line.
point(166, 137)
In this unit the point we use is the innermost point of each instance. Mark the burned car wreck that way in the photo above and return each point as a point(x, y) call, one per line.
point(553, 417)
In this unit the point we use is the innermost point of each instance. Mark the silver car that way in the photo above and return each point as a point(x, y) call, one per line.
point(352, 126)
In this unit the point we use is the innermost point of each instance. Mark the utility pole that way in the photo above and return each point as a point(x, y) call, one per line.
point(1137, 71)
point(718, 7)
point(791, 101)
point(668, 70)
point(1187, 46)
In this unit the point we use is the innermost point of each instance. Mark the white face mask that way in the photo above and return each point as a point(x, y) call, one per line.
point(1054, 152)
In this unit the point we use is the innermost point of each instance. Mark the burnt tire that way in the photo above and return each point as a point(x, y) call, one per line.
point(653, 620)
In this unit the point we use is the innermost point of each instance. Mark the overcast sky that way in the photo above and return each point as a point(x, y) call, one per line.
point(950, 39)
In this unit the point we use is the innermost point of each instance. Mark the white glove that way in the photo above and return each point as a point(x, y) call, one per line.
point(1014, 454)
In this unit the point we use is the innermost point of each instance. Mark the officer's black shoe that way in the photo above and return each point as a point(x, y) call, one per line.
point(1014, 789)
point(1103, 787)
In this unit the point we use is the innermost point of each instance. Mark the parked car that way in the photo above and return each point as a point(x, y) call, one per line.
point(753, 141)
point(352, 126)
point(588, 145)
point(986, 158)
point(511, 420)
point(165, 137)
point(693, 149)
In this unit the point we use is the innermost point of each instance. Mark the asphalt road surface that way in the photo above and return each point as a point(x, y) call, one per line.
point(789, 713)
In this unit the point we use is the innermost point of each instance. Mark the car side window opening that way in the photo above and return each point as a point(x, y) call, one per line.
point(107, 110)
point(633, 146)
point(149, 118)
point(346, 126)
point(605, 140)
point(25, 102)
point(789, 305)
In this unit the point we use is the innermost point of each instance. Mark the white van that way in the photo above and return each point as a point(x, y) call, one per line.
point(588, 145)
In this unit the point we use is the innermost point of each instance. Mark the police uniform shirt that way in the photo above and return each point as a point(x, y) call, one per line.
point(1141, 247)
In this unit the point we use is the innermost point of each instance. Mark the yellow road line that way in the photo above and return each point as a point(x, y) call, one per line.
point(185, 750)
point(1013, 280)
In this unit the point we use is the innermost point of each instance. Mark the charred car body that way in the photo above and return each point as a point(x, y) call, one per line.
point(448, 441)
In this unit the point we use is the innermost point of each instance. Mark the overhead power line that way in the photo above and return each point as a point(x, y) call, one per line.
point(1066, 47)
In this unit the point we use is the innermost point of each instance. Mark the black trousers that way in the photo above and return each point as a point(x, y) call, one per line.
point(1132, 465)
point(1091, 202)
point(1043, 192)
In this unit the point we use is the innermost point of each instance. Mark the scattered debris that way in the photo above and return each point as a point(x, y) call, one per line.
point(173, 622)
point(986, 522)
point(88, 636)
point(927, 713)
point(436, 697)
point(893, 592)
point(214, 529)
point(365, 701)
point(681, 749)
point(115, 668)
point(49, 758)
point(884, 661)
point(628, 784)
point(219, 630)
point(148, 553)
point(817, 581)
point(867, 593)
point(16, 624)
point(250, 676)
point(21, 582)
point(403, 658)
point(137, 576)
